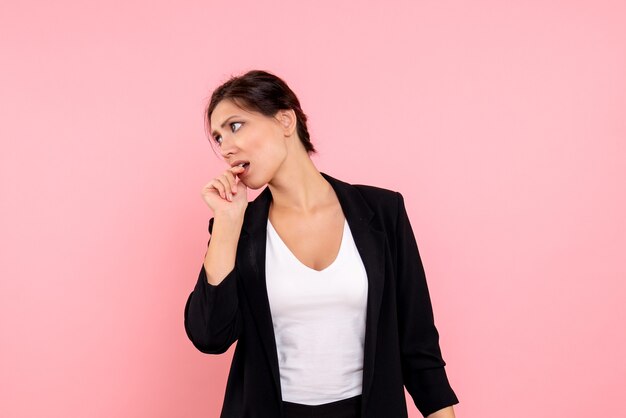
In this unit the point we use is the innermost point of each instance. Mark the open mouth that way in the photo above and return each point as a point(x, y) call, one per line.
point(245, 165)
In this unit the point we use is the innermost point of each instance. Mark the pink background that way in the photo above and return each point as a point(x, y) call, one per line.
point(502, 123)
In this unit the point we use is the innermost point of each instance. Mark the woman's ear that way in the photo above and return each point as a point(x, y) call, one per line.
point(289, 121)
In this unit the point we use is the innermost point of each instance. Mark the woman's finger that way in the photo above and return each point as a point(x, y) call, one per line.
point(219, 186)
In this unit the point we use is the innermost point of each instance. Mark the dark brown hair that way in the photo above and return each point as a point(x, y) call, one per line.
point(264, 93)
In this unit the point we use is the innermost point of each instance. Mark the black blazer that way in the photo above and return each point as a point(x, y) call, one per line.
point(401, 345)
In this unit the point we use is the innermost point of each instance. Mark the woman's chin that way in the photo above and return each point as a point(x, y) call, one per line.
point(254, 186)
point(249, 184)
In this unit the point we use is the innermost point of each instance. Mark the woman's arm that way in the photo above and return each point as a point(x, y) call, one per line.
point(443, 413)
point(212, 314)
point(222, 249)
point(423, 368)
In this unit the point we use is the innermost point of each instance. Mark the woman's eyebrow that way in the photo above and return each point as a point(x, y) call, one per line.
point(225, 122)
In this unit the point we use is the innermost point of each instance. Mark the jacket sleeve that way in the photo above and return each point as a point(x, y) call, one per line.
point(212, 315)
point(422, 364)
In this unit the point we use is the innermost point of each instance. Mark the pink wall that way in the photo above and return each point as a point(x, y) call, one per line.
point(502, 123)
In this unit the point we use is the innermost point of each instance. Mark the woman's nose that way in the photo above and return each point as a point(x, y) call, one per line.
point(226, 147)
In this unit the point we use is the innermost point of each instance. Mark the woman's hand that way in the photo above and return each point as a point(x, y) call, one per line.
point(226, 193)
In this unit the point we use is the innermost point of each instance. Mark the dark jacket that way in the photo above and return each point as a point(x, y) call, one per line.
point(401, 341)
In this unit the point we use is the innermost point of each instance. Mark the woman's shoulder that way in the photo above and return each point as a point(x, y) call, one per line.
point(376, 192)
point(380, 199)
point(369, 192)
point(377, 196)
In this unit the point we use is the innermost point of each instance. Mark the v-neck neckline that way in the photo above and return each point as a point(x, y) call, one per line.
point(297, 260)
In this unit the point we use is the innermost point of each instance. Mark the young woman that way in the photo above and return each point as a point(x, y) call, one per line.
point(318, 280)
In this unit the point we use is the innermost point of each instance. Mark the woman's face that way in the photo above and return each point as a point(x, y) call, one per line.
point(249, 136)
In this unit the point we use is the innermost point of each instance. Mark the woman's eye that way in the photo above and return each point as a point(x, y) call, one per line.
point(218, 137)
point(233, 123)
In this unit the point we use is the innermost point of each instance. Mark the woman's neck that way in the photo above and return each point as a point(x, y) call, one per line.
point(303, 190)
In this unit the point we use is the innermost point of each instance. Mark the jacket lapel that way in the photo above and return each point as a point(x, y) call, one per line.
point(370, 243)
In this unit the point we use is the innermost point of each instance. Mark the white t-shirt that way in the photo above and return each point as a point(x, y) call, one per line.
point(319, 321)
